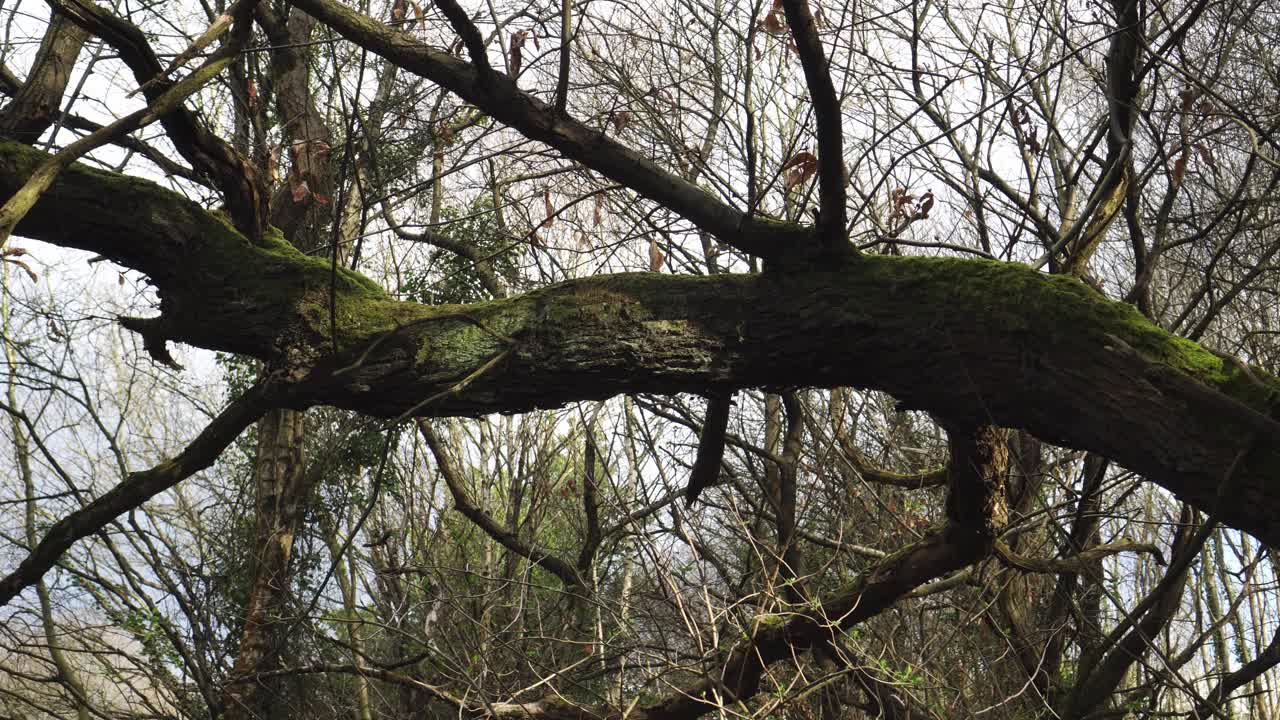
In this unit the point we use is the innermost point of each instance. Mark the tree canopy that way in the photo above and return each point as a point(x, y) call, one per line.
point(588, 360)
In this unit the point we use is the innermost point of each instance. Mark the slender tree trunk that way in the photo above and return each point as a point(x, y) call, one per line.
point(1209, 565)
point(281, 487)
point(345, 574)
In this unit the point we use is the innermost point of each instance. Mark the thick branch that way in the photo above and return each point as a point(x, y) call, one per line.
point(35, 105)
point(1123, 88)
point(303, 218)
point(832, 214)
point(468, 32)
point(963, 338)
point(706, 466)
point(497, 94)
point(205, 151)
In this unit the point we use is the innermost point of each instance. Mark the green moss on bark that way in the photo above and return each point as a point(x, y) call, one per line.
point(1011, 297)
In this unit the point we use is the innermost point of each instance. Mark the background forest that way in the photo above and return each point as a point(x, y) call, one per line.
point(754, 545)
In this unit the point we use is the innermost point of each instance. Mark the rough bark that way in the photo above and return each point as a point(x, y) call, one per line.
point(35, 105)
point(281, 491)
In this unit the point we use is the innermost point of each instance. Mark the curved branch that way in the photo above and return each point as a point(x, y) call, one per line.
point(544, 559)
point(832, 215)
point(468, 32)
point(463, 249)
point(138, 488)
point(872, 474)
point(1145, 622)
point(977, 475)
point(1076, 563)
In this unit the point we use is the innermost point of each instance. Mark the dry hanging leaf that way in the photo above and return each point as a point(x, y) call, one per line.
point(655, 256)
point(1179, 168)
point(418, 14)
point(775, 23)
point(30, 273)
point(10, 255)
point(546, 204)
point(298, 187)
point(1207, 157)
point(1033, 142)
point(799, 169)
point(620, 119)
point(599, 214)
point(517, 51)
point(902, 202)
point(926, 204)
point(1188, 97)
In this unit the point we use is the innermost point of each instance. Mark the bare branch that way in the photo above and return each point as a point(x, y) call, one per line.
point(135, 490)
point(470, 35)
